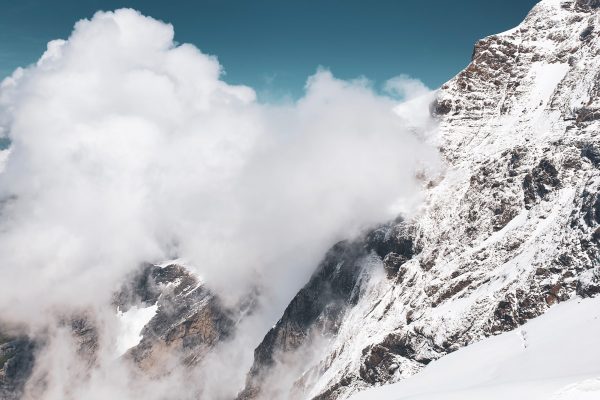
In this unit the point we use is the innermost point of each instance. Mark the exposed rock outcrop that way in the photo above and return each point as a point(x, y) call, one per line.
point(16, 363)
point(189, 320)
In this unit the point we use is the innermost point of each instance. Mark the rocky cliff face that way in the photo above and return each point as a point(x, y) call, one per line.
point(16, 363)
point(319, 308)
point(188, 323)
point(189, 320)
point(512, 227)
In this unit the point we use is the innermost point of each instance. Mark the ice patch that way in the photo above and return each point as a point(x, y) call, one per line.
point(131, 324)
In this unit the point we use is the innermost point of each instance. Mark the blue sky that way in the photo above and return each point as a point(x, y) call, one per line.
point(274, 46)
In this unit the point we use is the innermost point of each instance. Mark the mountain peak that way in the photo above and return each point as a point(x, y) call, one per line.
point(506, 234)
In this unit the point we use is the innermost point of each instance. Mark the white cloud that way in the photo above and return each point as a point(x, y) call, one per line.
point(126, 147)
point(405, 87)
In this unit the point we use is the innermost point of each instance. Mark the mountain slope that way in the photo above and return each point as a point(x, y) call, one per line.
point(511, 229)
point(527, 363)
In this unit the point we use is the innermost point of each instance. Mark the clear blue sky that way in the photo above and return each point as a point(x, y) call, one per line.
point(273, 45)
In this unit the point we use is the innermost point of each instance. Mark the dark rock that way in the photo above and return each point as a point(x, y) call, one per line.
point(452, 291)
point(592, 153)
point(503, 214)
point(539, 182)
point(591, 208)
point(440, 107)
point(329, 290)
point(380, 361)
point(586, 32)
point(392, 263)
point(596, 235)
point(139, 287)
point(516, 309)
point(587, 114)
point(322, 302)
point(17, 357)
point(587, 5)
point(391, 238)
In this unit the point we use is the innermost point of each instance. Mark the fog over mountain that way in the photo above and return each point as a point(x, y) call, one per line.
point(167, 236)
point(127, 148)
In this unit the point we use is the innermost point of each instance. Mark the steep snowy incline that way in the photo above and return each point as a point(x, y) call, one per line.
point(553, 357)
point(511, 229)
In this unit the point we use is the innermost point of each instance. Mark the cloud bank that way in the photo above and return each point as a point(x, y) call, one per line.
point(128, 148)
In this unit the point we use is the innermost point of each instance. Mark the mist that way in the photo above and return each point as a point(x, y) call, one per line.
point(126, 148)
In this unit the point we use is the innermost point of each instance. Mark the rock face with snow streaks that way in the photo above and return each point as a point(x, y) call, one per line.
point(511, 228)
point(188, 323)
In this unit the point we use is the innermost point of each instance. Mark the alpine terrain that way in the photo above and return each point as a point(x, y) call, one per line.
point(512, 228)
point(508, 231)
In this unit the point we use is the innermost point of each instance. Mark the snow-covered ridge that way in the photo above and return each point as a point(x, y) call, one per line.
point(512, 229)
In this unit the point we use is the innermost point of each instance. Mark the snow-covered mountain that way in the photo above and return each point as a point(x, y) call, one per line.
point(511, 229)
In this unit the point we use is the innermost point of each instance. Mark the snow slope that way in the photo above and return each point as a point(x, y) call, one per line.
point(555, 356)
point(132, 322)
